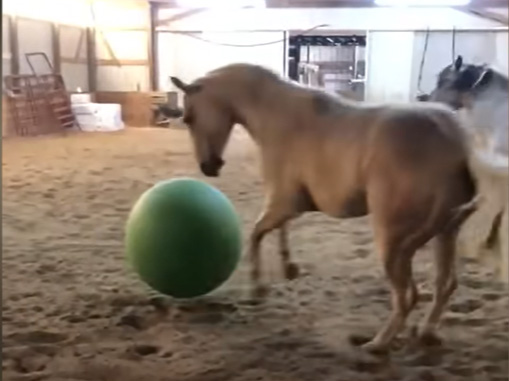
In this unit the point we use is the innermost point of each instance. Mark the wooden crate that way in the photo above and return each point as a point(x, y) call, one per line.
point(136, 106)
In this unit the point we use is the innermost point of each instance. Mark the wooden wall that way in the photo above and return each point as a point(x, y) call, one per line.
point(113, 57)
point(136, 106)
point(114, 54)
point(73, 56)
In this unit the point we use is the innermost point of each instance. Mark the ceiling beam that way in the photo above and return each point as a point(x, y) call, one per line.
point(339, 3)
point(179, 16)
point(319, 3)
point(487, 15)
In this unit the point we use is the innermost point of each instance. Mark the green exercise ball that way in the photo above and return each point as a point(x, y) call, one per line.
point(183, 238)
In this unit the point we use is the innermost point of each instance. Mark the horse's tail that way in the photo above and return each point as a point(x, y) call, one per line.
point(472, 198)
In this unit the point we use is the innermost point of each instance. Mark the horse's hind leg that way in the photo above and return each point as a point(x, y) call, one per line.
point(397, 262)
point(445, 283)
point(290, 269)
point(401, 227)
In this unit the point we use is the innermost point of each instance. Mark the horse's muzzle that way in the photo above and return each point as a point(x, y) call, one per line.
point(212, 167)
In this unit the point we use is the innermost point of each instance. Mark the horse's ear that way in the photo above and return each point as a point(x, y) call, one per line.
point(188, 89)
point(178, 83)
point(483, 79)
point(458, 63)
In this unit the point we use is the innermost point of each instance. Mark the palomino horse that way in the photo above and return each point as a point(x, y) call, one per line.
point(405, 165)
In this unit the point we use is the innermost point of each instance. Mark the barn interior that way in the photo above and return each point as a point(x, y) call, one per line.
point(90, 120)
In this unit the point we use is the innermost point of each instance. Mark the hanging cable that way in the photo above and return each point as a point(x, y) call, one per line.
point(423, 59)
point(453, 43)
point(250, 45)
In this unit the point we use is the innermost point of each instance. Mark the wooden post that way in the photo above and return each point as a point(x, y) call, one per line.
point(14, 44)
point(55, 42)
point(91, 60)
point(152, 47)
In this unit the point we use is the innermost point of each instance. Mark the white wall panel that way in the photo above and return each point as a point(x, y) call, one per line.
point(75, 76)
point(334, 19)
point(389, 66)
point(188, 58)
point(125, 78)
point(34, 36)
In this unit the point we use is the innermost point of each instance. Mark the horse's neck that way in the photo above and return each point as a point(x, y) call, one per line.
point(260, 114)
point(491, 105)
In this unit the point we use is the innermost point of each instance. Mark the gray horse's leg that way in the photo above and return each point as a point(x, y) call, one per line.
point(290, 269)
point(445, 283)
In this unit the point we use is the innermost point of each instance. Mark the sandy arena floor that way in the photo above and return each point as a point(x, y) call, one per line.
point(72, 310)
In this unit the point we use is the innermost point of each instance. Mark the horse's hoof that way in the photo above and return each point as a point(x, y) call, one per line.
point(358, 340)
point(375, 348)
point(292, 271)
point(430, 339)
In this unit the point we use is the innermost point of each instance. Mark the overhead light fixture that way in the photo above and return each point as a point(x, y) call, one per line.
point(422, 3)
point(221, 4)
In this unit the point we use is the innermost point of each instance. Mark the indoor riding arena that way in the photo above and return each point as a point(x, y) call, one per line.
point(92, 119)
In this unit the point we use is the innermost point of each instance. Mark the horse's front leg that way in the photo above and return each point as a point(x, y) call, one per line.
point(274, 216)
point(290, 269)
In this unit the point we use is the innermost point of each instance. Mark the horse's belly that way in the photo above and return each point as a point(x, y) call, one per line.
point(353, 204)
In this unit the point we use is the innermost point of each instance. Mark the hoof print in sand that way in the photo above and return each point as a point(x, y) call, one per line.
point(205, 312)
point(132, 320)
point(466, 306)
point(35, 337)
point(145, 349)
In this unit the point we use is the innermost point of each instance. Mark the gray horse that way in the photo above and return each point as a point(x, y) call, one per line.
point(484, 93)
point(406, 165)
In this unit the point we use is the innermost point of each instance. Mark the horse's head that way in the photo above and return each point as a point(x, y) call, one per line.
point(210, 122)
point(457, 81)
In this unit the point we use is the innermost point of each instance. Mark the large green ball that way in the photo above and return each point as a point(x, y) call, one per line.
point(183, 238)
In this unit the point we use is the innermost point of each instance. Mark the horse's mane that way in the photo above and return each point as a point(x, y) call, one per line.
point(499, 78)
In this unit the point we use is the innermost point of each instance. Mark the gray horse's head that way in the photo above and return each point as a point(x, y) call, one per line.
point(210, 122)
point(459, 80)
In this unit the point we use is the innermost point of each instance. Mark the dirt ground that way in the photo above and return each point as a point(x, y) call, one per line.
point(73, 310)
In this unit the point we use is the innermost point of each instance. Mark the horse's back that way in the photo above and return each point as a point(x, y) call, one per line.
point(418, 137)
